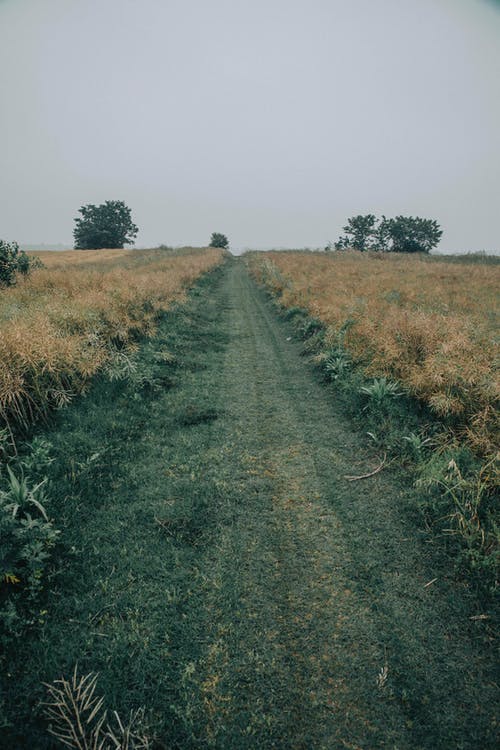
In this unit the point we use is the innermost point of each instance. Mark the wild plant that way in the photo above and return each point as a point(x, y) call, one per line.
point(78, 718)
point(380, 391)
point(27, 536)
point(37, 459)
point(337, 364)
point(417, 444)
point(459, 492)
point(27, 539)
point(310, 327)
point(121, 365)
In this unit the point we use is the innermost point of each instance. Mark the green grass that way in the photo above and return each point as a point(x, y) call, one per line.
point(217, 569)
point(126, 461)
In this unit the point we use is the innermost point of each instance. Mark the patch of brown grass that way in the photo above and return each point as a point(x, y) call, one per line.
point(430, 324)
point(59, 326)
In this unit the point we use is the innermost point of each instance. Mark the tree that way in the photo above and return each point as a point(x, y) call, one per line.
point(14, 261)
point(403, 234)
point(108, 225)
point(411, 234)
point(219, 240)
point(358, 233)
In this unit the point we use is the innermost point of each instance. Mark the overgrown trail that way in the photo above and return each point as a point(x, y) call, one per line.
point(227, 577)
point(321, 631)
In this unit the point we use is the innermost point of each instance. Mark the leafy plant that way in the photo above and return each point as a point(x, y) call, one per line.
point(416, 444)
point(14, 261)
point(38, 458)
point(337, 364)
point(461, 497)
point(380, 391)
point(310, 327)
point(27, 536)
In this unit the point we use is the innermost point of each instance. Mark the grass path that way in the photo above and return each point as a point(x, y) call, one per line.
point(227, 577)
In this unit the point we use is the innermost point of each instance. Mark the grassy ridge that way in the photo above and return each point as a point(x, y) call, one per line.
point(67, 321)
point(428, 325)
point(133, 495)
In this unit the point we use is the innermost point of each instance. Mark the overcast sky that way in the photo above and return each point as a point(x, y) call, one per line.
point(269, 120)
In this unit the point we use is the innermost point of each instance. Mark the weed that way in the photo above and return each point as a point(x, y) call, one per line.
point(379, 392)
point(79, 720)
point(417, 444)
point(337, 364)
point(458, 493)
point(27, 539)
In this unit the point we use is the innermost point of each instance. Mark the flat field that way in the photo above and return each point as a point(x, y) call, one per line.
point(216, 547)
point(431, 325)
point(61, 325)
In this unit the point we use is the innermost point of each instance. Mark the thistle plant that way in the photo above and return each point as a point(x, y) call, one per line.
point(380, 391)
point(337, 364)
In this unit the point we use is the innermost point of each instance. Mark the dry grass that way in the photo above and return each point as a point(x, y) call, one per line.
point(431, 325)
point(78, 719)
point(59, 326)
point(57, 259)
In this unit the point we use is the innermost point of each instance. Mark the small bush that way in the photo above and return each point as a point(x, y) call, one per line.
point(27, 538)
point(458, 499)
point(14, 261)
point(311, 327)
point(379, 392)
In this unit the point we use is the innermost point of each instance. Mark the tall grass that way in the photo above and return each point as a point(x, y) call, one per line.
point(432, 326)
point(60, 326)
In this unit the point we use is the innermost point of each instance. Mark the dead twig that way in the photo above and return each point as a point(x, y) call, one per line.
point(370, 474)
point(429, 583)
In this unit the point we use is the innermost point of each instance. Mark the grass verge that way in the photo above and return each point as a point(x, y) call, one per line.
point(457, 477)
point(134, 505)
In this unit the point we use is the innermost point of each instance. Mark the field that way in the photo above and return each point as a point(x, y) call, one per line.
point(421, 329)
point(208, 538)
point(67, 321)
point(431, 325)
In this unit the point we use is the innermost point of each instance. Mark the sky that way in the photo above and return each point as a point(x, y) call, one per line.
point(271, 121)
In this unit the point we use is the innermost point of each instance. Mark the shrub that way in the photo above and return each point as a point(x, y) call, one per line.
point(14, 261)
point(27, 538)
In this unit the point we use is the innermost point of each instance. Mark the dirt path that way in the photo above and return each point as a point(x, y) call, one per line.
point(218, 570)
point(321, 632)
